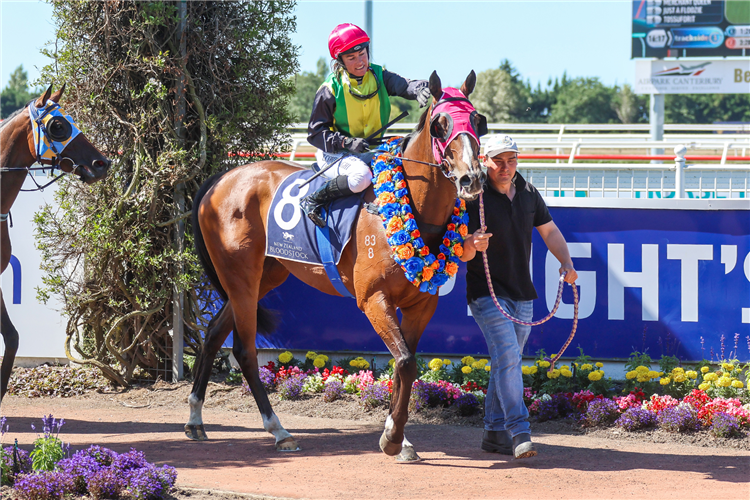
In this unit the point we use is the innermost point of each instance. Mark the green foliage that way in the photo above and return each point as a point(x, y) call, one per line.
point(668, 363)
point(584, 100)
point(116, 252)
point(306, 86)
point(234, 377)
point(500, 95)
point(16, 94)
point(706, 108)
point(48, 450)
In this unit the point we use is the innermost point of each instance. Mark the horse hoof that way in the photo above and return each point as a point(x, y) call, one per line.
point(288, 444)
point(390, 449)
point(195, 432)
point(408, 455)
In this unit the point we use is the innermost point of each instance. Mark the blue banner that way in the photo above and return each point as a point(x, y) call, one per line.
point(664, 281)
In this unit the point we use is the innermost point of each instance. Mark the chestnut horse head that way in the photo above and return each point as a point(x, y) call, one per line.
point(40, 133)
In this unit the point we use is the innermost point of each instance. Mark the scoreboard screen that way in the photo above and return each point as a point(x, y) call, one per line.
point(691, 28)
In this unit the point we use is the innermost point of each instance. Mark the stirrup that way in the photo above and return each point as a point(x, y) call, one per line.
point(313, 211)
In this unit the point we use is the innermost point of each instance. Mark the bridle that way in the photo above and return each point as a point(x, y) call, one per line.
point(53, 132)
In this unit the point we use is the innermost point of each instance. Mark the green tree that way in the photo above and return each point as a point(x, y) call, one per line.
point(16, 93)
point(583, 100)
point(306, 85)
point(630, 107)
point(501, 95)
point(114, 251)
point(706, 108)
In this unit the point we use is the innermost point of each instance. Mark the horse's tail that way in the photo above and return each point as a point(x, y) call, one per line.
point(267, 319)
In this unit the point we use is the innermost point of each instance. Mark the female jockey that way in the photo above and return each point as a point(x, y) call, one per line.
point(350, 105)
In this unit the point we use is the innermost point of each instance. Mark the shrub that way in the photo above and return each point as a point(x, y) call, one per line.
point(43, 485)
point(636, 418)
point(290, 388)
point(48, 448)
point(375, 395)
point(680, 418)
point(556, 406)
point(466, 404)
point(106, 483)
point(334, 390)
point(725, 425)
point(600, 412)
point(313, 383)
point(80, 468)
point(150, 482)
point(15, 462)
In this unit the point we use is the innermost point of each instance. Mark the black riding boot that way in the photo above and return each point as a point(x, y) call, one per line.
point(313, 204)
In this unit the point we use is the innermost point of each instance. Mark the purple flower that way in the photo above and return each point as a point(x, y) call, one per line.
point(106, 483)
point(722, 345)
point(680, 418)
point(150, 482)
point(133, 459)
point(636, 418)
point(375, 395)
point(601, 412)
point(19, 462)
point(725, 425)
point(291, 387)
point(466, 404)
point(80, 467)
point(103, 456)
point(557, 406)
point(267, 378)
point(334, 390)
point(43, 485)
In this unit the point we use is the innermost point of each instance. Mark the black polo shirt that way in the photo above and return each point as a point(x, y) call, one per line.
point(510, 223)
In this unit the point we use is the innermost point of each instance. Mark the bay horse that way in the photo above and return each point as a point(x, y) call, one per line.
point(38, 133)
point(229, 213)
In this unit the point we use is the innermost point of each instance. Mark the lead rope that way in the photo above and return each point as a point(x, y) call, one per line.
point(554, 309)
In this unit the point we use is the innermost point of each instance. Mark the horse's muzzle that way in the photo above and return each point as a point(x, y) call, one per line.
point(470, 185)
point(96, 171)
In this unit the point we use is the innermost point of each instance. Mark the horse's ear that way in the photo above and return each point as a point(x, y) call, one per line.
point(468, 86)
point(436, 88)
point(57, 95)
point(43, 100)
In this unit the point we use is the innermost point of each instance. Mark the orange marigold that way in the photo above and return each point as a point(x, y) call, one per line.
point(463, 230)
point(458, 250)
point(441, 256)
point(386, 197)
point(427, 273)
point(405, 251)
point(451, 227)
point(424, 251)
point(383, 177)
point(455, 211)
point(416, 234)
point(451, 268)
point(394, 225)
point(463, 204)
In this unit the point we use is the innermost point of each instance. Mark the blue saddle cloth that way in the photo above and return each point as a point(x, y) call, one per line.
point(291, 235)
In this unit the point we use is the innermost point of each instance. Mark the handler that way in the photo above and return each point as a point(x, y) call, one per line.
point(512, 208)
point(350, 105)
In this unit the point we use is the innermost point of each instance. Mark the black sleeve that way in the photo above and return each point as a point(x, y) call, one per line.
point(319, 132)
point(402, 87)
point(472, 208)
point(541, 212)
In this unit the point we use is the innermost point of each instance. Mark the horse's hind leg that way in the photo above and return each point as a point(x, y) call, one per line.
point(218, 330)
point(10, 338)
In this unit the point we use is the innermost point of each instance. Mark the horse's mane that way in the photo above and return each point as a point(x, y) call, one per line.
point(12, 115)
point(413, 133)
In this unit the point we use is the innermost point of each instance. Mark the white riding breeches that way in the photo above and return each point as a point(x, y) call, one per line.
point(356, 167)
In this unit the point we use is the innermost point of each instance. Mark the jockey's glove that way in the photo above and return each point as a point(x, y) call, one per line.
point(356, 145)
point(423, 96)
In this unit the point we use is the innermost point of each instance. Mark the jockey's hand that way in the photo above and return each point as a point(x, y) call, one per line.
point(423, 96)
point(356, 145)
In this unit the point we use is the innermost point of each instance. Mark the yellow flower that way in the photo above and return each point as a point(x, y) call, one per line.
point(704, 369)
point(466, 369)
point(599, 364)
point(737, 384)
point(553, 373)
point(447, 362)
point(319, 362)
point(727, 366)
point(724, 382)
point(566, 373)
point(643, 369)
point(524, 370)
point(576, 365)
point(564, 367)
point(704, 386)
point(711, 377)
point(311, 355)
point(483, 361)
point(392, 362)
point(468, 360)
point(487, 368)
point(631, 375)
point(643, 378)
point(325, 358)
point(692, 374)
point(285, 357)
point(587, 366)
point(477, 365)
point(652, 374)
point(533, 369)
point(664, 381)
point(544, 364)
point(595, 375)
point(436, 364)
point(680, 377)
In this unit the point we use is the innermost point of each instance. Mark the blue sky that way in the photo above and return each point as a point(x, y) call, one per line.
point(413, 38)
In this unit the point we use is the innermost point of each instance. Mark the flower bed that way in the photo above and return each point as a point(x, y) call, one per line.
point(672, 397)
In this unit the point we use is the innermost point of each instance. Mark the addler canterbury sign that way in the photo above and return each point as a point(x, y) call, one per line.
point(693, 77)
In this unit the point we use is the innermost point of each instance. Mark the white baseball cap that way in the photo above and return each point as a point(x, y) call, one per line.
point(499, 144)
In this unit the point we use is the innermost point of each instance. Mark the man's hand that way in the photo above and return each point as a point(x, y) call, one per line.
point(356, 145)
point(423, 96)
point(479, 240)
point(572, 275)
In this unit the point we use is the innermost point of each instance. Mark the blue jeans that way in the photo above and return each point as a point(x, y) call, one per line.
point(504, 408)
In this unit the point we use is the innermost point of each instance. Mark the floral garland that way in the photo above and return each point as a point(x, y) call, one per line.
point(423, 269)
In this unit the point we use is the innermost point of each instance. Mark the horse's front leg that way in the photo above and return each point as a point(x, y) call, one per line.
point(10, 337)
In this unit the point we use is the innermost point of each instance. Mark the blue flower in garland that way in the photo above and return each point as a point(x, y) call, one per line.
point(405, 209)
point(445, 250)
point(410, 225)
point(417, 244)
point(452, 235)
point(390, 210)
point(439, 279)
point(400, 193)
point(413, 265)
point(399, 238)
point(384, 187)
point(398, 176)
point(429, 259)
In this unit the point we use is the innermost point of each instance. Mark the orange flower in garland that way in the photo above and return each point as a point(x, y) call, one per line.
point(423, 269)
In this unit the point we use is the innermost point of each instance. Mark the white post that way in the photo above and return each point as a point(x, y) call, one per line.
point(368, 23)
point(656, 121)
point(679, 171)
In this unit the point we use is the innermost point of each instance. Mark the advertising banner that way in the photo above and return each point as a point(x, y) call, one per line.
point(690, 28)
point(728, 76)
point(656, 279)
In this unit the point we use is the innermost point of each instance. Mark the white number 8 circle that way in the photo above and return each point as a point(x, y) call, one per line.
point(288, 199)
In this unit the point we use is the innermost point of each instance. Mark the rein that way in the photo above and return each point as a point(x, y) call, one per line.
point(554, 309)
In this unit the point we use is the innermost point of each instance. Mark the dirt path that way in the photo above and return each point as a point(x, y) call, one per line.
point(340, 458)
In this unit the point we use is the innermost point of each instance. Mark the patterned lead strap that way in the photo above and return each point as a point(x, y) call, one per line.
point(3, 217)
point(554, 309)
